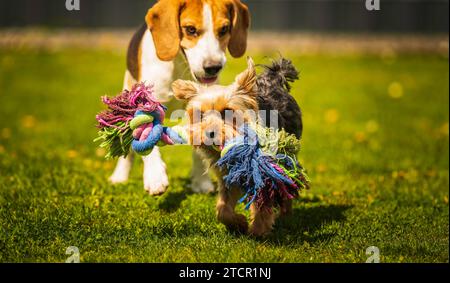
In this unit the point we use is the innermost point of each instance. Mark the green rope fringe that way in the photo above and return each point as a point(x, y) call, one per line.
point(115, 141)
point(274, 142)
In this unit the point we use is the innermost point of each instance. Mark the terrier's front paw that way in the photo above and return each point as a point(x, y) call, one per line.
point(262, 226)
point(202, 184)
point(156, 180)
point(260, 231)
point(239, 224)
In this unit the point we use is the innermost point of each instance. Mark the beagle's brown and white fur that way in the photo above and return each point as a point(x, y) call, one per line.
point(182, 39)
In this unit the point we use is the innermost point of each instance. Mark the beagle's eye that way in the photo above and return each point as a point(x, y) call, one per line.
point(191, 30)
point(224, 30)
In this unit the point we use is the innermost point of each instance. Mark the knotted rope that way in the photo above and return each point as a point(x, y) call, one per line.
point(134, 119)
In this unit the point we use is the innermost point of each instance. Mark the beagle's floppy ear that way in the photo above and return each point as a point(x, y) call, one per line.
point(246, 81)
point(239, 31)
point(164, 23)
point(184, 90)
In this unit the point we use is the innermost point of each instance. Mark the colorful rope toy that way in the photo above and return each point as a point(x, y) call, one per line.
point(149, 132)
point(263, 163)
point(260, 160)
point(135, 119)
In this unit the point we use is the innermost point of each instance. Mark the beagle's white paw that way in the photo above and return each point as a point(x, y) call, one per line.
point(202, 184)
point(155, 178)
point(122, 171)
point(118, 178)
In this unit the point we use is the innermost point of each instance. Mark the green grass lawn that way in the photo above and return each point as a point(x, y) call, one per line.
point(376, 145)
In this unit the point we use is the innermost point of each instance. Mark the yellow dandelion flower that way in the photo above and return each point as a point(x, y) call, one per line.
point(444, 129)
point(72, 154)
point(28, 121)
point(331, 116)
point(107, 166)
point(87, 162)
point(360, 137)
point(395, 90)
point(6, 133)
point(321, 168)
point(372, 126)
point(100, 152)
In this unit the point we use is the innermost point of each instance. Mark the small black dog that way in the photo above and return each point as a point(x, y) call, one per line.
point(273, 94)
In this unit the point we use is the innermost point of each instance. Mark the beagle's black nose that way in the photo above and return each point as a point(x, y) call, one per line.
point(212, 69)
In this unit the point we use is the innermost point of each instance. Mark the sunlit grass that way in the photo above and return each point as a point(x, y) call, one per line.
point(375, 144)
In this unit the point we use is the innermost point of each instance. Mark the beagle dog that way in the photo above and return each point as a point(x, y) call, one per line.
point(182, 39)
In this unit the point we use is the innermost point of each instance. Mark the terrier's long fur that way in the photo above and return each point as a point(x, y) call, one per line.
point(268, 91)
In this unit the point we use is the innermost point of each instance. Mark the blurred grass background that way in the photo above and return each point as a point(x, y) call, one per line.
point(376, 145)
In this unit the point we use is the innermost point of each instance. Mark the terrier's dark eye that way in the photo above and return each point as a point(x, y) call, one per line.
point(191, 30)
point(224, 30)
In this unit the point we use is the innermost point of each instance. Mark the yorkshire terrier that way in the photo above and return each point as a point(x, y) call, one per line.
point(216, 113)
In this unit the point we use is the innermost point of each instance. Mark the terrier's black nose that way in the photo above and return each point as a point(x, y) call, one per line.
point(212, 69)
point(210, 134)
